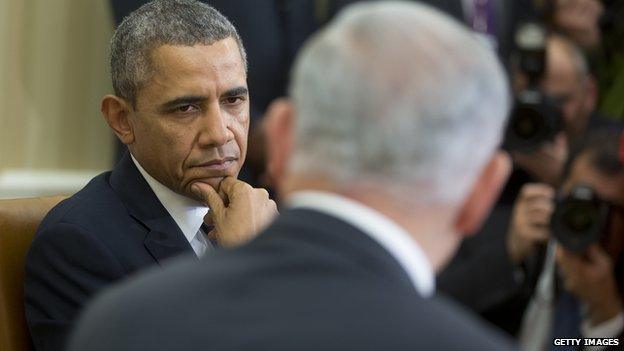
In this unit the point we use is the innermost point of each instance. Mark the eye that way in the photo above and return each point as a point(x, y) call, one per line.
point(233, 100)
point(186, 108)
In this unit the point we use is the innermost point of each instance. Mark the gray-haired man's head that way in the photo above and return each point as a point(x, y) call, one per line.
point(397, 92)
point(401, 108)
point(162, 22)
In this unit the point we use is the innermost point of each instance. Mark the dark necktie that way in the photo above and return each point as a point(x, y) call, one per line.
point(207, 229)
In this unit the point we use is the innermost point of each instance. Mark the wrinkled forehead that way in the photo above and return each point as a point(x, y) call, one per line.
point(223, 55)
point(193, 70)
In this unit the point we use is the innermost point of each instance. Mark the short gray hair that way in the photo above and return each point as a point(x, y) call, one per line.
point(157, 23)
point(398, 93)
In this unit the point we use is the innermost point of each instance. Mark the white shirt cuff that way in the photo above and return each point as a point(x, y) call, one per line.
point(608, 329)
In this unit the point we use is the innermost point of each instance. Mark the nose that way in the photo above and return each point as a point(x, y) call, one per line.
point(213, 129)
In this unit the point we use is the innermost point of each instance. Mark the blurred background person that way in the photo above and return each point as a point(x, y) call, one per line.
point(579, 20)
point(495, 272)
point(598, 28)
point(609, 61)
point(580, 288)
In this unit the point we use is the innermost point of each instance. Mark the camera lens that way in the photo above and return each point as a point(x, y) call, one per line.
point(579, 217)
point(535, 119)
point(527, 122)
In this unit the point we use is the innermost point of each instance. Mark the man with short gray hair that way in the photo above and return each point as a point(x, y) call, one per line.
point(385, 155)
point(181, 106)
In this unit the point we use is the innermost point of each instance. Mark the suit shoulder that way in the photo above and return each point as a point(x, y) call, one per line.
point(409, 321)
point(460, 327)
point(90, 208)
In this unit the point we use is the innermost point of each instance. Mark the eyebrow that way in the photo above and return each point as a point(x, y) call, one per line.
point(198, 99)
point(238, 91)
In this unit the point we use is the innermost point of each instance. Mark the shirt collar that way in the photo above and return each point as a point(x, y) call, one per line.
point(379, 227)
point(186, 212)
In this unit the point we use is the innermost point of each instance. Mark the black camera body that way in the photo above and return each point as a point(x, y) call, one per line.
point(580, 219)
point(535, 118)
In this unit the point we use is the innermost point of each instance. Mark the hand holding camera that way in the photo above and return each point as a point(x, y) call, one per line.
point(546, 162)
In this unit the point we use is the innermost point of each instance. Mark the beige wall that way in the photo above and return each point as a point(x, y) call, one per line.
point(53, 72)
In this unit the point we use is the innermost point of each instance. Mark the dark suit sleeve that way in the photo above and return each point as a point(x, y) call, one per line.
point(65, 266)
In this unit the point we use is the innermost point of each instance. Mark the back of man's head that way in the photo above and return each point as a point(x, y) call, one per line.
point(563, 52)
point(396, 93)
point(162, 22)
point(569, 80)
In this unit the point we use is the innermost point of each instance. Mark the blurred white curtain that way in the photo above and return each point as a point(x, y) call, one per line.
point(53, 72)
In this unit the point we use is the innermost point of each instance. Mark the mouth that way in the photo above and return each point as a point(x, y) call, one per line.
point(218, 164)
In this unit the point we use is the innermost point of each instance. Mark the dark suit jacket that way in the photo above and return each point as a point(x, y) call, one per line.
point(108, 230)
point(310, 282)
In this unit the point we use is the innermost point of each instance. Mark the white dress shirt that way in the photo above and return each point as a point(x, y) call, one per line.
point(186, 212)
point(387, 233)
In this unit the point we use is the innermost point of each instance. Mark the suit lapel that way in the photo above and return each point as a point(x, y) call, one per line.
point(164, 239)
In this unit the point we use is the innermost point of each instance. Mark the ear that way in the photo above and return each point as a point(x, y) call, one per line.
point(279, 123)
point(116, 111)
point(483, 194)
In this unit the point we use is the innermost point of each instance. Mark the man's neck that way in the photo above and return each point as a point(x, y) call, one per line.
point(430, 225)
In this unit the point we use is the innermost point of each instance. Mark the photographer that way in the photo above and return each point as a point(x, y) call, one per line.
point(583, 296)
point(495, 272)
point(578, 19)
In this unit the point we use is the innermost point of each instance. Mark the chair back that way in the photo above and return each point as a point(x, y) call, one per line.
point(19, 220)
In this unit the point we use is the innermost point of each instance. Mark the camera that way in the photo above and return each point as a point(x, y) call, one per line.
point(580, 219)
point(536, 118)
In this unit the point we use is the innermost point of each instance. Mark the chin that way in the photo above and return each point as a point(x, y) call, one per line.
point(211, 178)
point(212, 181)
